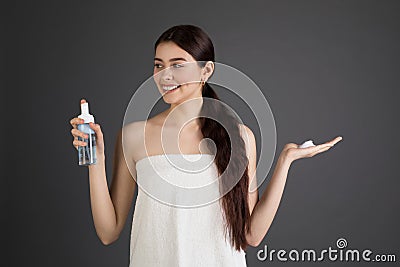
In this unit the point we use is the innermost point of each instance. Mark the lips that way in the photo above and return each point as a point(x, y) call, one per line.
point(170, 88)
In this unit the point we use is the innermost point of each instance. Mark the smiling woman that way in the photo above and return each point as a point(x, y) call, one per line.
point(177, 73)
point(213, 234)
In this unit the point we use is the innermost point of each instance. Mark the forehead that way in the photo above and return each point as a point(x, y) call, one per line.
point(168, 50)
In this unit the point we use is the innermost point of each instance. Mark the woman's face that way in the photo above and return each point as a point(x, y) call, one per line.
point(173, 66)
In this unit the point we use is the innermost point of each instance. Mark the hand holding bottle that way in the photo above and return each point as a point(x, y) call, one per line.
point(88, 137)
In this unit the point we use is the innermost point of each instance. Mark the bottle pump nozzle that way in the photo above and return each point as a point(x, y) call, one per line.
point(85, 113)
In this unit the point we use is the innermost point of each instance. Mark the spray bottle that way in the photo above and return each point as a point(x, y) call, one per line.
point(86, 154)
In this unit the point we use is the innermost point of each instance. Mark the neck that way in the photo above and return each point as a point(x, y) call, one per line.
point(185, 114)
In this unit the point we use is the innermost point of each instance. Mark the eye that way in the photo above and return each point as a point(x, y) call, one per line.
point(157, 65)
point(177, 65)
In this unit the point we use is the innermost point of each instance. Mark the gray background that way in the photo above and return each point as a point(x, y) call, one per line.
point(334, 64)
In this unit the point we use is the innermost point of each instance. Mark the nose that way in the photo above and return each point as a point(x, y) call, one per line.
point(166, 74)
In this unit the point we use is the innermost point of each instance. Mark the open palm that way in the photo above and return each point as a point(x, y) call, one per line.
point(294, 152)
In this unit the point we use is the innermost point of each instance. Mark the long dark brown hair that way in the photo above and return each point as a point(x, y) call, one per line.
point(197, 43)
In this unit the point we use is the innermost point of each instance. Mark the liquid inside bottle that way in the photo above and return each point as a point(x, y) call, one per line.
point(87, 154)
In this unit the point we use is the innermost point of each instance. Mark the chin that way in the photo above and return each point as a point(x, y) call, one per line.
point(171, 99)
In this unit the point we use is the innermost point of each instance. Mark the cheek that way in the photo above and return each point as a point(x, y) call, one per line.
point(156, 78)
point(187, 78)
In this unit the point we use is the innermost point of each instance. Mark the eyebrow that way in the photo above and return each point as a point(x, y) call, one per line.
point(172, 59)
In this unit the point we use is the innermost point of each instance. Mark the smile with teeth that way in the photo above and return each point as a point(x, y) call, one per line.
point(170, 88)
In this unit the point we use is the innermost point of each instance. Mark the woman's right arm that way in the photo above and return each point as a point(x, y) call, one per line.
point(110, 208)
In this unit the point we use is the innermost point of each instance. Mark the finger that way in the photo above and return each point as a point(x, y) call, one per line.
point(327, 144)
point(320, 151)
point(322, 146)
point(324, 149)
point(315, 149)
point(335, 140)
point(77, 143)
point(75, 121)
point(77, 133)
point(96, 128)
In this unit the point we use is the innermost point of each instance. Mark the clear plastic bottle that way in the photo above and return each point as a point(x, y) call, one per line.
point(86, 154)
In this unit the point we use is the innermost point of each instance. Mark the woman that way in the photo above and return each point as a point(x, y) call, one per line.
point(214, 235)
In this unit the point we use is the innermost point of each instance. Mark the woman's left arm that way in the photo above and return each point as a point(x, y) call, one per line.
point(263, 211)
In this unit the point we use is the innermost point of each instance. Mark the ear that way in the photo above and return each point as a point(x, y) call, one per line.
point(207, 70)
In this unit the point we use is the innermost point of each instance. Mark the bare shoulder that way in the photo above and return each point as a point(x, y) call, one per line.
point(132, 137)
point(249, 139)
point(135, 135)
point(133, 132)
point(246, 132)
